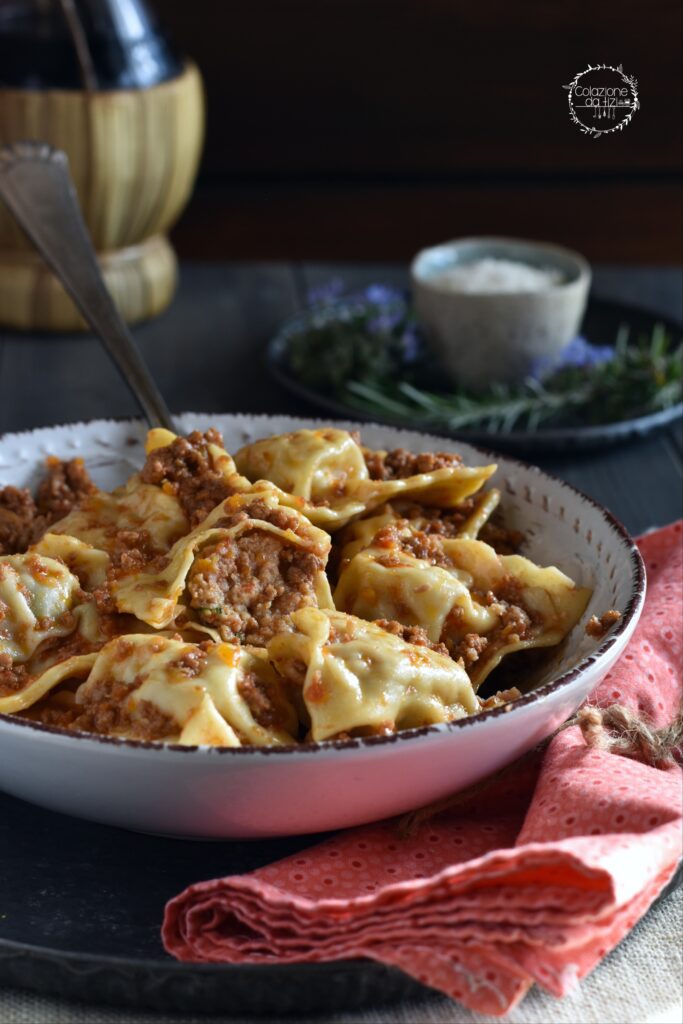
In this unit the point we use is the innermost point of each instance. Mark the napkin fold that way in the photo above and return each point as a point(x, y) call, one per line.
point(534, 879)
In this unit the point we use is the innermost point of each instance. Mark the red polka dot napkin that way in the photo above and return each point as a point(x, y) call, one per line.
point(534, 880)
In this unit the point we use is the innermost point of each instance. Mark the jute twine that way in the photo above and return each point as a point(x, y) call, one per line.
point(620, 731)
point(615, 729)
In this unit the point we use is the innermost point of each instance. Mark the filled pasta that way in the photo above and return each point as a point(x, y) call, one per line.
point(37, 597)
point(326, 475)
point(242, 570)
point(357, 678)
point(464, 520)
point(155, 687)
point(480, 604)
point(308, 589)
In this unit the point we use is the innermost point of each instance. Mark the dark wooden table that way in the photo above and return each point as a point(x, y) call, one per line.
point(206, 354)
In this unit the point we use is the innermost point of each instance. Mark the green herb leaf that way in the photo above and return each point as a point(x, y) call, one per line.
point(367, 369)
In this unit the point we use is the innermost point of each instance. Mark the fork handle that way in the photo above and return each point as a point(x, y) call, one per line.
point(37, 187)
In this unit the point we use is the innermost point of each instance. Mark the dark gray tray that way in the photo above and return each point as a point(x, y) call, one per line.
point(601, 324)
point(81, 909)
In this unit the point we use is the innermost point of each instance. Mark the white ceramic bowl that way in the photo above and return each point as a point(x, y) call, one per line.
point(497, 336)
point(225, 793)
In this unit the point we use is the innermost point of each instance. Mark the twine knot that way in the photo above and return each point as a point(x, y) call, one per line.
point(621, 731)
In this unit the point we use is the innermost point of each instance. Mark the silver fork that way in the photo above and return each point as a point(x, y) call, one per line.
point(37, 187)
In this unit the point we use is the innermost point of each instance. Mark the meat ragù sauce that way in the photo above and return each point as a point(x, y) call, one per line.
point(110, 711)
point(13, 678)
point(399, 463)
point(415, 635)
point(256, 694)
point(395, 539)
point(23, 520)
point(247, 585)
point(599, 627)
point(185, 469)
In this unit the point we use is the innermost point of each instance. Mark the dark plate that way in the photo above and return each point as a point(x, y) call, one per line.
point(81, 909)
point(601, 324)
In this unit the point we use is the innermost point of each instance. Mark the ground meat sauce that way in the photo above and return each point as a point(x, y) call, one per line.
point(448, 523)
point(395, 538)
point(184, 469)
point(469, 649)
point(500, 699)
point(598, 627)
point(516, 621)
point(445, 522)
point(108, 713)
point(515, 624)
point(191, 663)
point(131, 551)
point(56, 649)
point(255, 693)
point(400, 463)
point(23, 521)
point(503, 540)
point(245, 586)
point(281, 518)
point(13, 678)
point(427, 548)
point(18, 519)
point(63, 488)
point(416, 635)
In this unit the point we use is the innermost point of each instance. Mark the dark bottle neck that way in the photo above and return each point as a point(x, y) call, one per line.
point(128, 49)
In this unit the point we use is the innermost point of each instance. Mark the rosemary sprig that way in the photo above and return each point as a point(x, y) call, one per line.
point(367, 351)
point(500, 410)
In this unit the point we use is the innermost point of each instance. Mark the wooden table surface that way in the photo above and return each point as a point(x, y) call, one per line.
point(206, 354)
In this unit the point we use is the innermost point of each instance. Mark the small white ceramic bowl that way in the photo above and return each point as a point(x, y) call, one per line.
point(489, 337)
point(256, 792)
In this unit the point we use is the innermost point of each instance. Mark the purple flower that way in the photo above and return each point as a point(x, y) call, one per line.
point(579, 352)
point(411, 342)
point(386, 321)
point(384, 295)
point(326, 294)
point(391, 307)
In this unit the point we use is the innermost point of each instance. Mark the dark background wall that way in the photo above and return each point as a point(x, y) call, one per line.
point(364, 129)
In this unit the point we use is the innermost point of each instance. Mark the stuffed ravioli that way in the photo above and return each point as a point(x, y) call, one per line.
point(331, 479)
point(356, 678)
point(480, 604)
point(308, 589)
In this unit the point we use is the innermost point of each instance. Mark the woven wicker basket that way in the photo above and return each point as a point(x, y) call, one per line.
point(133, 155)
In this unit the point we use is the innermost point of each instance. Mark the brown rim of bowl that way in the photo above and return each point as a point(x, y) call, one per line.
point(635, 600)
